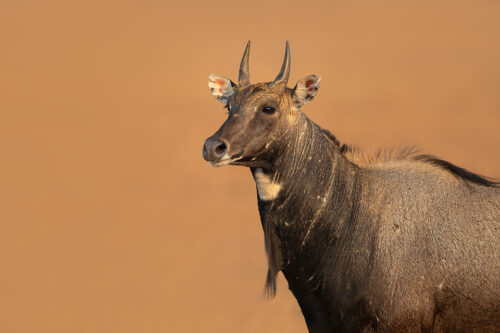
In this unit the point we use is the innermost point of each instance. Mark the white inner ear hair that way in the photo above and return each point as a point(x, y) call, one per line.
point(267, 188)
point(306, 89)
point(220, 87)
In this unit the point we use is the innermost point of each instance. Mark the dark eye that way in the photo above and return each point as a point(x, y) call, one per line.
point(268, 109)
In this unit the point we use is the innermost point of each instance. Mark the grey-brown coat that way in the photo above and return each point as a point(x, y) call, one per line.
point(410, 243)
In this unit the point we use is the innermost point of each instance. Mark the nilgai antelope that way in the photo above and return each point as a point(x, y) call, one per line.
point(408, 243)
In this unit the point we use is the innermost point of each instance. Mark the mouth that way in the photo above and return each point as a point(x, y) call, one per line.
point(225, 160)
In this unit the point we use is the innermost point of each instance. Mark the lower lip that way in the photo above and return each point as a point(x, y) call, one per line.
point(225, 162)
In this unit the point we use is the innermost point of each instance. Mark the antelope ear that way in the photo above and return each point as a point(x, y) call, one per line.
point(221, 87)
point(305, 90)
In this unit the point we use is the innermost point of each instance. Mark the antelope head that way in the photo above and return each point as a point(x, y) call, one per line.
point(259, 115)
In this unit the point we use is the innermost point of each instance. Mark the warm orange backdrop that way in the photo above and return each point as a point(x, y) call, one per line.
point(110, 220)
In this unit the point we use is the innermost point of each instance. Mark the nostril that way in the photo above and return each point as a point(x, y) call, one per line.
point(214, 149)
point(220, 149)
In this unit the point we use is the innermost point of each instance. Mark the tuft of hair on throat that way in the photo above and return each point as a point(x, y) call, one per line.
point(270, 287)
point(274, 259)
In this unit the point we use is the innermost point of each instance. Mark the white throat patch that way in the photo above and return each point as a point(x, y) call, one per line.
point(267, 188)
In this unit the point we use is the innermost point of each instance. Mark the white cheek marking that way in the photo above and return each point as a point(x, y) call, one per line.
point(266, 187)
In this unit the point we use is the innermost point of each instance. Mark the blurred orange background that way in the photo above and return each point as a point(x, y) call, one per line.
point(110, 220)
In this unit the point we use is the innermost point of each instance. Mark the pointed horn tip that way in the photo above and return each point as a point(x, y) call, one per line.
point(244, 73)
point(285, 68)
point(247, 48)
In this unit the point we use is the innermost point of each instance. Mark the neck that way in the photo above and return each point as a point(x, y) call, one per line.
point(304, 200)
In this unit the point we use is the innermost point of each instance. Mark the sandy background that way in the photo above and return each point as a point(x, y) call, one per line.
point(110, 220)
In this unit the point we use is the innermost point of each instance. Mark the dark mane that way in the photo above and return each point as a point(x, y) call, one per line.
point(332, 138)
point(356, 156)
point(457, 171)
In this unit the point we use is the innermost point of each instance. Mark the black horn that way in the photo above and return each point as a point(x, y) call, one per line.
point(244, 77)
point(282, 79)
